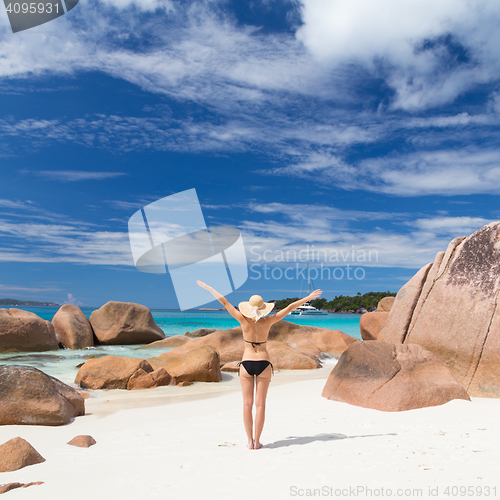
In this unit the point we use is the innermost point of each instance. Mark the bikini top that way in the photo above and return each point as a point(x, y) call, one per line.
point(255, 343)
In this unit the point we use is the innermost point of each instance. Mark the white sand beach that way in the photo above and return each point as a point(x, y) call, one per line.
point(154, 444)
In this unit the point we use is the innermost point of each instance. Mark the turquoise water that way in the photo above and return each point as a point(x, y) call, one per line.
point(63, 364)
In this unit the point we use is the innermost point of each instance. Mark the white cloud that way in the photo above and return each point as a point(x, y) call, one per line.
point(428, 51)
point(16, 288)
point(143, 5)
point(297, 104)
point(29, 210)
point(306, 213)
point(305, 147)
point(16, 204)
point(445, 172)
point(447, 121)
point(268, 241)
point(450, 225)
point(70, 242)
point(73, 300)
point(72, 175)
point(362, 29)
point(323, 228)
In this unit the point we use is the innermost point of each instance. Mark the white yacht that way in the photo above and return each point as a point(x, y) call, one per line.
point(307, 310)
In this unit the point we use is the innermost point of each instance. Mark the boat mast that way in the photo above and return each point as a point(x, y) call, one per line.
point(309, 280)
point(308, 277)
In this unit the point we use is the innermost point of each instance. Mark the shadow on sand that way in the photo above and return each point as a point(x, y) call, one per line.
point(298, 440)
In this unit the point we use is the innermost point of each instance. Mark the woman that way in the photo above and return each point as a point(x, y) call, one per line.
point(255, 364)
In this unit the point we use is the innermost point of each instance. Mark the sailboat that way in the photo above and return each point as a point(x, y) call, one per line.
point(307, 309)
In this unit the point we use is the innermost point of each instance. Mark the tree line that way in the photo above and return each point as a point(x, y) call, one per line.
point(342, 303)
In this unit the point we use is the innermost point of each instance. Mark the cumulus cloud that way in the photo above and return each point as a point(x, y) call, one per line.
point(429, 52)
point(73, 300)
point(304, 101)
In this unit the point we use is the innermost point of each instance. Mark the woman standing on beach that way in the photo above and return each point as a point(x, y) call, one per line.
point(255, 365)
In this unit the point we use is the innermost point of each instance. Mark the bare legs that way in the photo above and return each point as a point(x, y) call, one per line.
point(247, 390)
point(261, 387)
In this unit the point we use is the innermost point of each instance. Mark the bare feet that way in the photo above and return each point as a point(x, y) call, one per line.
point(257, 445)
point(250, 445)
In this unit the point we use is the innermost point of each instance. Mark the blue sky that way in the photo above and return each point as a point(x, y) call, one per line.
point(347, 125)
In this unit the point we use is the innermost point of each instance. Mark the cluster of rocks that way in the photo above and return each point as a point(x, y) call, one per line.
point(116, 372)
point(115, 323)
point(200, 356)
point(437, 340)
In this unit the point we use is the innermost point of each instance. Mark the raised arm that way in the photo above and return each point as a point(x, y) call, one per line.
point(281, 314)
point(229, 307)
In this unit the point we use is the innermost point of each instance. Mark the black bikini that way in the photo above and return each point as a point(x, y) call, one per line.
point(255, 343)
point(255, 367)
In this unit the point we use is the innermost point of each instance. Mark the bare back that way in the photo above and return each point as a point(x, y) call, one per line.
point(256, 332)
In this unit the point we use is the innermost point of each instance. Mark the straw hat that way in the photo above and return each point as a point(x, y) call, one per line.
point(255, 307)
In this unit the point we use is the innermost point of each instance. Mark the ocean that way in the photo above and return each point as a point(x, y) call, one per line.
point(63, 364)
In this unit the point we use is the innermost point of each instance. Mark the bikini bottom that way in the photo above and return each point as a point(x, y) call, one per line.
point(255, 367)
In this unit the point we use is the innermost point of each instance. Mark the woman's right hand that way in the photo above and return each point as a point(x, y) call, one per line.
point(203, 285)
point(315, 294)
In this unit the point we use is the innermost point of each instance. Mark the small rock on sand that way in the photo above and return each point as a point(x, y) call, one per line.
point(18, 453)
point(83, 441)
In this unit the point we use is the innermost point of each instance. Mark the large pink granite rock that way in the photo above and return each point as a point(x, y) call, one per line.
point(30, 397)
point(117, 372)
point(391, 377)
point(451, 308)
point(175, 341)
point(199, 364)
point(385, 304)
point(372, 323)
point(72, 327)
point(25, 331)
point(125, 323)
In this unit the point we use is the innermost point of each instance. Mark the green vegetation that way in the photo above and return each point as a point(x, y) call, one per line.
point(343, 303)
point(17, 302)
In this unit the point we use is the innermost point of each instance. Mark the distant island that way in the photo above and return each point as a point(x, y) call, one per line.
point(343, 303)
point(17, 302)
